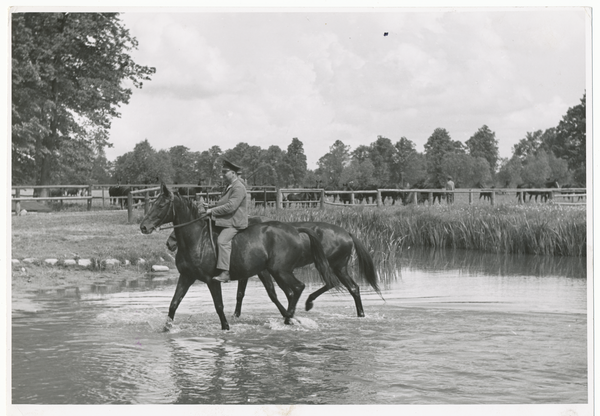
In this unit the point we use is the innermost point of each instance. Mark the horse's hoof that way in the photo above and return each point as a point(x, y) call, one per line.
point(225, 327)
point(168, 325)
point(309, 305)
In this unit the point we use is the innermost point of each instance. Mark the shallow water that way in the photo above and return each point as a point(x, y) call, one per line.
point(452, 328)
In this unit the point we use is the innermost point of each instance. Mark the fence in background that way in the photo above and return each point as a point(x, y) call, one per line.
point(278, 198)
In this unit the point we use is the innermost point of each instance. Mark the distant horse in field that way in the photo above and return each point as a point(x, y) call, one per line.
point(116, 193)
point(544, 195)
point(579, 194)
point(485, 195)
point(275, 247)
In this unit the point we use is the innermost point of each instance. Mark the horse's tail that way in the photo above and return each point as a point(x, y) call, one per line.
point(320, 259)
point(366, 266)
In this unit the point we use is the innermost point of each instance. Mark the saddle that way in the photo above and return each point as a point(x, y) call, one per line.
point(172, 240)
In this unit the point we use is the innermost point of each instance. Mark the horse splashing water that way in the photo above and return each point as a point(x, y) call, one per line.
point(274, 247)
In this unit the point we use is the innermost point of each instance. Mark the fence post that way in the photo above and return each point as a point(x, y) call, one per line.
point(470, 196)
point(103, 197)
point(322, 198)
point(352, 198)
point(89, 201)
point(493, 197)
point(129, 207)
point(378, 200)
point(278, 199)
point(430, 198)
point(415, 198)
point(146, 202)
point(18, 204)
point(248, 200)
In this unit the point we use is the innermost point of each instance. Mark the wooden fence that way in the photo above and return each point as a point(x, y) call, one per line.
point(144, 197)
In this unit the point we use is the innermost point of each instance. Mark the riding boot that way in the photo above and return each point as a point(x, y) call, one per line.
point(223, 277)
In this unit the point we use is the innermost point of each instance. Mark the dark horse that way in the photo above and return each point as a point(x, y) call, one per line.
point(338, 244)
point(543, 195)
point(271, 246)
point(487, 195)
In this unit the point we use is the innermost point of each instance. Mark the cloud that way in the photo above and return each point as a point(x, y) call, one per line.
point(265, 78)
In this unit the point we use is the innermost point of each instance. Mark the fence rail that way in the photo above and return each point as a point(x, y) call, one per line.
point(143, 197)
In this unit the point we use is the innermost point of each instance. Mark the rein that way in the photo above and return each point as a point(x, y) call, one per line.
point(201, 217)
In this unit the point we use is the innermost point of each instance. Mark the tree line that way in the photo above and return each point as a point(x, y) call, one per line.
point(72, 71)
point(557, 153)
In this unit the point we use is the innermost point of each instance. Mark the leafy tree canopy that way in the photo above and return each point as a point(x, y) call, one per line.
point(67, 84)
point(484, 144)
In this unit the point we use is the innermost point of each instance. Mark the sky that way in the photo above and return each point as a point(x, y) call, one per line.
point(264, 78)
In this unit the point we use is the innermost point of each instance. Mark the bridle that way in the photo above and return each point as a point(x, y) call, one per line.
point(201, 217)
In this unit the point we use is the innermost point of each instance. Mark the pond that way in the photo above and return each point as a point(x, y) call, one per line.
point(450, 327)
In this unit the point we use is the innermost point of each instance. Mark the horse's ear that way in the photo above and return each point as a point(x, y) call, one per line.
point(165, 190)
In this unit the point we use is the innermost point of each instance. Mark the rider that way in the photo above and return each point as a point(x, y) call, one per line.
point(230, 212)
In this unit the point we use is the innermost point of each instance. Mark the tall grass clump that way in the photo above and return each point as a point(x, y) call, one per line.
point(518, 229)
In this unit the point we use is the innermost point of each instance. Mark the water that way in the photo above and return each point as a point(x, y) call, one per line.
point(454, 328)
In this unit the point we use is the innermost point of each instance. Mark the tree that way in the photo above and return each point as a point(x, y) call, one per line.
point(466, 170)
point(438, 145)
point(361, 153)
point(360, 174)
point(332, 164)
point(144, 165)
point(509, 174)
point(271, 171)
point(296, 162)
point(382, 155)
point(405, 155)
point(536, 169)
point(484, 144)
point(101, 169)
point(535, 142)
point(67, 83)
point(570, 140)
point(414, 170)
point(182, 161)
point(206, 165)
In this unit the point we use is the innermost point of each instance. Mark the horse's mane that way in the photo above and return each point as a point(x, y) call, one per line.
point(189, 204)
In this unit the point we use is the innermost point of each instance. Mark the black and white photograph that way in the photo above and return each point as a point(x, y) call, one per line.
point(289, 211)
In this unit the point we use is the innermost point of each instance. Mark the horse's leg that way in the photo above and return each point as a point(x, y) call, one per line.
point(215, 290)
point(292, 288)
point(241, 291)
point(347, 281)
point(183, 284)
point(265, 278)
point(353, 289)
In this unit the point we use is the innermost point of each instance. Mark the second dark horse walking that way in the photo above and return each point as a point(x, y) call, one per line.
point(271, 247)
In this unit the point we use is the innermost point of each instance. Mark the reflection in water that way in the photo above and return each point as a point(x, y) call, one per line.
point(495, 264)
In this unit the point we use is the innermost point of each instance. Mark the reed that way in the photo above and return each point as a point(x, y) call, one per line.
point(517, 229)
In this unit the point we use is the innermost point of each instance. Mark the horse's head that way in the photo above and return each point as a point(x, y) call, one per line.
point(161, 212)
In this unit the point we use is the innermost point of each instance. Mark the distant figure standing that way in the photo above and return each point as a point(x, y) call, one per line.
point(450, 187)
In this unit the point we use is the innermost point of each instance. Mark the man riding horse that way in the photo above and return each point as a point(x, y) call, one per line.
point(231, 213)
